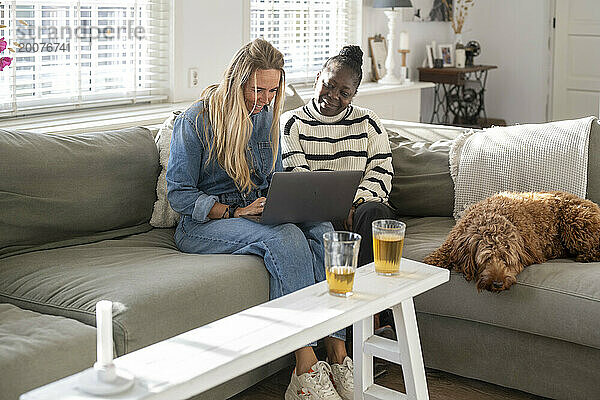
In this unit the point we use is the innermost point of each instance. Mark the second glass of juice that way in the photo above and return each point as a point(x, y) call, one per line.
point(388, 240)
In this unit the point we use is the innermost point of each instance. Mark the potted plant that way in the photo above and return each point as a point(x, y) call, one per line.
point(457, 12)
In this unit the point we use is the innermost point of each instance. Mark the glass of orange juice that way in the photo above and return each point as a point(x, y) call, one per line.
point(388, 240)
point(341, 259)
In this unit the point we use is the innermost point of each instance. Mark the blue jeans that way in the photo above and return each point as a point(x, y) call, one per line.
point(292, 253)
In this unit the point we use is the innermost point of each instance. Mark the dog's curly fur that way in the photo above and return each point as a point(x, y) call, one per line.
point(499, 236)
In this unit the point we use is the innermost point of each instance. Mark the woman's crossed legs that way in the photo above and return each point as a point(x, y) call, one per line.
point(293, 255)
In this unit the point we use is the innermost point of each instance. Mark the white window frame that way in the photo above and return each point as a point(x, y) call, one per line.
point(355, 38)
point(159, 66)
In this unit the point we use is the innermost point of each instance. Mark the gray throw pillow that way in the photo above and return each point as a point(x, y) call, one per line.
point(421, 185)
point(593, 184)
point(59, 190)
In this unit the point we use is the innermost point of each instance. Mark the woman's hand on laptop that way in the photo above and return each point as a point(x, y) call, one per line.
point(255, 208)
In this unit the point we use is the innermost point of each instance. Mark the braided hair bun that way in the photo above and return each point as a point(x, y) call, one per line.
point(354, 53)
point(350, 57)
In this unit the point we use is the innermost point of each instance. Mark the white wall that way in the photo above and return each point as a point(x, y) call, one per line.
point(513, 34)
point(420, 34)
point(207, 35)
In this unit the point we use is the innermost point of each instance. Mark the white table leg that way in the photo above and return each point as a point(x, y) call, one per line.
point(410, 350)
point(363, 362)
point(406, 352)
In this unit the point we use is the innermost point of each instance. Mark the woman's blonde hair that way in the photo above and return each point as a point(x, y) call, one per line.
point(229, 117)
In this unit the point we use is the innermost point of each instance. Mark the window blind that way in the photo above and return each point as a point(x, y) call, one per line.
point(76, 54)
point(307, 32)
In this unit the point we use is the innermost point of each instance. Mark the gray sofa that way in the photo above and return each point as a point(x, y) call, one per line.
point(543, 335)
point(74, 230)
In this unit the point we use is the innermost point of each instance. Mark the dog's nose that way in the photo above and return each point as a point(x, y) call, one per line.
point(497, 284)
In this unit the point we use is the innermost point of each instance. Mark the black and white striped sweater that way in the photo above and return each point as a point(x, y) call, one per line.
point(351, 140)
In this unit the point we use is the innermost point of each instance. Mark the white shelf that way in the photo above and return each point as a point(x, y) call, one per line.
point(395, 102)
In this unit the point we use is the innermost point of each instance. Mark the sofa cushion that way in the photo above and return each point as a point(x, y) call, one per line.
point(157, 290)
point(421, 185)
point(558, 299)
point(423, 235)
point(163, 216)
point(593, 184)
point(60, 190)
point(292, 99)
point(38, 349)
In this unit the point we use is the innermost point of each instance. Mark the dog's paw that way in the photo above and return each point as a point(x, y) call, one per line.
point(437, 261)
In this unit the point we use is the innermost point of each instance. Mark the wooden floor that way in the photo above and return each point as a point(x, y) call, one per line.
point(442, 386)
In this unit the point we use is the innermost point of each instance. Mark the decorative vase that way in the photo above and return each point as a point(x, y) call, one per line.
point(460, 54)
point(458, 38)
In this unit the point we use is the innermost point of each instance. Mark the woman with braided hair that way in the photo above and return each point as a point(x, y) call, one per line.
point(329, 133)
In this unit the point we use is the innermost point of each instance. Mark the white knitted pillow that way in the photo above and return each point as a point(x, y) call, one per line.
point(163, 216)
point(520, 158)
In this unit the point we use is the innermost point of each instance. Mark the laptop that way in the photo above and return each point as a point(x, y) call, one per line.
point(309, 197)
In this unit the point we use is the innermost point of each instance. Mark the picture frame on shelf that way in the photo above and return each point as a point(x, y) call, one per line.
point(429, 10)
point(429, 50)
point(446, 54)
point(378, 52)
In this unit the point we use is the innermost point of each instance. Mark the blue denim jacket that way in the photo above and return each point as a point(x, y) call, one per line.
point(193, 186)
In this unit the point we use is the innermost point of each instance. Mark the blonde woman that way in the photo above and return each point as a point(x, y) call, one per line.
point(224, 151)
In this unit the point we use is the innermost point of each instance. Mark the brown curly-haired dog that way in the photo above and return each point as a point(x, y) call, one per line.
point(499, 236)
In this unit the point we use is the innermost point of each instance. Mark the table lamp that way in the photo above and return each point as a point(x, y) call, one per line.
point(389, 77)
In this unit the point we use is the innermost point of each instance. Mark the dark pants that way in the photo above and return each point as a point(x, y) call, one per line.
point(364, 216)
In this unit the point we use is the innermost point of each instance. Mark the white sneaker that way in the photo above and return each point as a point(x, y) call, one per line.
point(343, 378)
point(313, 385)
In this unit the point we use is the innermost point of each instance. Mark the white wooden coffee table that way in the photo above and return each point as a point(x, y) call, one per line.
point(200, 359)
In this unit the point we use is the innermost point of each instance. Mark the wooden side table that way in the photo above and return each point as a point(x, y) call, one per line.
point(458, 91)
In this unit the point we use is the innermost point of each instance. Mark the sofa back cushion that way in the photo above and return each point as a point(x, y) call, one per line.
point(593, 184)
point(422, 185)
point(292, 99)
point(58, 190)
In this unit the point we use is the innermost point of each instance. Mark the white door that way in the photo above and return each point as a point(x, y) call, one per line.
point(576, 85)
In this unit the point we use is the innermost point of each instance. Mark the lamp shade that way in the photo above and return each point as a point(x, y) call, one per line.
point(392, 3)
